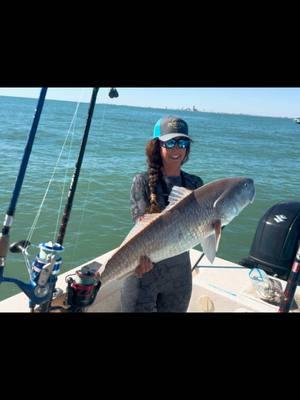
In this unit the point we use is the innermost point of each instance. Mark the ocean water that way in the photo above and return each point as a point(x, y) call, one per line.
point(264, 148)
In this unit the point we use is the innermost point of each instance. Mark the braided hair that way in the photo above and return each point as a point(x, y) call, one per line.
point(154, 172)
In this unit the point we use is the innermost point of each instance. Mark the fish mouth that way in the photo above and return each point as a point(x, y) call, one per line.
point(250, 188)
point(253, 193)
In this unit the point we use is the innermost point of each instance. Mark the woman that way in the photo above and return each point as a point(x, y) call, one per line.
point(165, 286)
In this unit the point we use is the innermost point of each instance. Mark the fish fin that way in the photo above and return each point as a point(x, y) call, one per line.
point(210, 244)
point(218, 231)
point(141, 223)
point(221, 198)
point(209, 247)
point(177, 193)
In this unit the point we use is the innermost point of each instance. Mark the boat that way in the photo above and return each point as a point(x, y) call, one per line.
point(297, 120)
point(264, 281)
point(222, 287)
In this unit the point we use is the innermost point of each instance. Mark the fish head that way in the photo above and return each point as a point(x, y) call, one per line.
point(236, 195)
point(220, 202)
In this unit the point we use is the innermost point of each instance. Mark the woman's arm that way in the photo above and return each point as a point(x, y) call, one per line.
point(139, 199)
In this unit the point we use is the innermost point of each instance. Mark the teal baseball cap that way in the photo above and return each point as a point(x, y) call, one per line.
point(169, 128)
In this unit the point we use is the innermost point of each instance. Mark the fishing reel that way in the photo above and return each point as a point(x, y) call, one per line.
point(83, 289)
point(45, 268)
point(47, 250)
point(19, 247)
point(42, 272)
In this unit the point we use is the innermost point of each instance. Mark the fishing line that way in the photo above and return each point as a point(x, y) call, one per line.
point(66, 172)
point(27, 262)
point(43, 271)
point(87, 197)
point(65, 181)
point(33, 227)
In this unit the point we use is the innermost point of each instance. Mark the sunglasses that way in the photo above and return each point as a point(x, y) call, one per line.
point(181, 143)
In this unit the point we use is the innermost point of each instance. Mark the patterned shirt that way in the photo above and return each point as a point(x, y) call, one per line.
point(140, 191)
point(168, 286)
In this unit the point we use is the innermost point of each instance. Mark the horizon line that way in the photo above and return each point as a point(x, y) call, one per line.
point(159, 108)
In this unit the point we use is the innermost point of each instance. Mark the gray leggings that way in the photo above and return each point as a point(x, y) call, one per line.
point(166, 288)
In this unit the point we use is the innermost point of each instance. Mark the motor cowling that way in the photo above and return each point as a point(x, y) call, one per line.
point(276, 240)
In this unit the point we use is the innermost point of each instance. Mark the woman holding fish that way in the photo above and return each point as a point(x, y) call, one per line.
point(165, 286)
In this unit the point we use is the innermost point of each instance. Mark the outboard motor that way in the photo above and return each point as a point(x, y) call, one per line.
point(276, 240)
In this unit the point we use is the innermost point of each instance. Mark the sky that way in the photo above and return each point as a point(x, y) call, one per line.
point(275, 102)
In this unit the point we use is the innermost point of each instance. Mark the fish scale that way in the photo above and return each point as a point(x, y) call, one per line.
point(186, 222)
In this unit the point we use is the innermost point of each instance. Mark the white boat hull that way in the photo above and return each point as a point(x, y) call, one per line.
point(220, 287)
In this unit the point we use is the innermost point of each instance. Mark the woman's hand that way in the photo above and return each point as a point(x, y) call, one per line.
point(145, 265)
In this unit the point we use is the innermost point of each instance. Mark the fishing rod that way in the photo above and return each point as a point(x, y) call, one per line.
point(81, 291)
point(197, 262)
point(8, 221)
point(46, 265)
point(291, 285)
point(68, 207)
point(48, 250)
point(74, 181)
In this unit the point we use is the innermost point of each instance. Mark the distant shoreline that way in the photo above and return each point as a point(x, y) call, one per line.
point(159, 108)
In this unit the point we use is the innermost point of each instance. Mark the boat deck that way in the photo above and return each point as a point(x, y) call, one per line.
point(219, 287)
